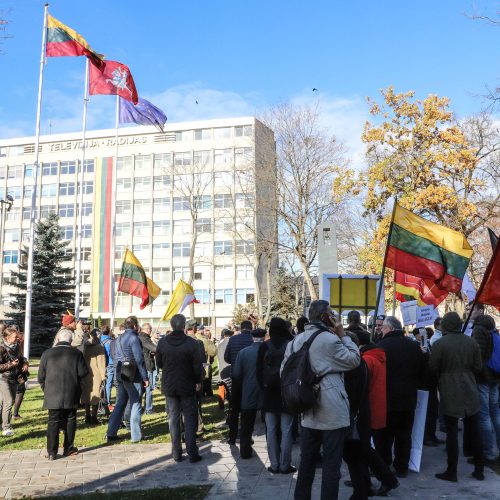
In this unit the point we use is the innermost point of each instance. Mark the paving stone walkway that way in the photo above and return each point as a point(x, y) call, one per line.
point(128, 467)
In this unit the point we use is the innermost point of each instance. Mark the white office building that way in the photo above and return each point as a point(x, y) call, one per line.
point(207, 184)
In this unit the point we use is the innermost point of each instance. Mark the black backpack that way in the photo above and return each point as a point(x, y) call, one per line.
point(272, 363)
point(299, 384)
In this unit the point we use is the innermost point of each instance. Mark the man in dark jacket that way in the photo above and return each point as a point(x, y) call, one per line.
point(405, 368)
point(180, 358)
point(149, 349)
point(236, 343)
point(62, 369)
point(127, 354)
point(488, 383)
point(454, 360)
point(354, 323)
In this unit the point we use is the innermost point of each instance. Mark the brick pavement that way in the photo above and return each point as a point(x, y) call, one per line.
point(128, 467)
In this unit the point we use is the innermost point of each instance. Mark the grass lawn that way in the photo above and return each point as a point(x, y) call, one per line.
point(29, 432)
point(181, 493)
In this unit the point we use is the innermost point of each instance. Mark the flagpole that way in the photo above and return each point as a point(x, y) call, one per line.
point(33, 214)
point(80, 194)
point(114, 293)
point(382, 274)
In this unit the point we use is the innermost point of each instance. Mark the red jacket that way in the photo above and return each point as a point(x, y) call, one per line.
point(377, 391)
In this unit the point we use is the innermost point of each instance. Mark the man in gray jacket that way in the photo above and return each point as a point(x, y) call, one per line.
point(326, 424)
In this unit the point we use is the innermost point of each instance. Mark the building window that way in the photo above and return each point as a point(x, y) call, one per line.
point(49, 169)
point(181, 203)
point(161, 250)
point(244, 295)
point(66, 189)
point(224, 272)
point(161, 205)
point(161, 228)
point(203, 202)
point(142, 252)
point(47, 210)
point(181, 273)
point(204, 225)
point(143, 163)
point(182, 159)
point(223, 224)
point(161, 275)
point(224, 296)
point(163, 160)
point(223, 247)
point(244, 178)
point(68, 167)
point(86, 253)
point(203, 249)
point(244, 271)
point(222, 133)
point(243, 157)
point(124, 165)
point(244, 247)
point(203, 134)
point(223, 156)
point(26, 213)
point(182, 226)
point(86, 209)
point(85, 299)
point(202, 158)
point(85, 275)
point(15, 192)
point(12, 235)
point(142, 207)
point(123, 184)
point(10, 256)
point(142, 228)
point(67, 232)
point(25, 235)
point(88, 166)
point(15, 212)
point(119, 251)
point(223, 201)
point(203, 296)
point(28, 171)
point(243, 131)
point(49, 190)
point(16, 171)
point(181, 249)
point(161, 182)
point(142, 183)
point(123, 207)
point(86, 230)
point(88, 187)
point(27, 192)
point(122, 229)
point(66, 210)
point(163, 298)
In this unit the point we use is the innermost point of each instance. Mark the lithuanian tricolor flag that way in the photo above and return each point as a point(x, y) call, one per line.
point(427, 250)
point(425, 292)
point(65, 41)
point(133, 280)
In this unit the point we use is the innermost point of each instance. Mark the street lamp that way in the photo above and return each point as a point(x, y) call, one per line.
point(5, 207)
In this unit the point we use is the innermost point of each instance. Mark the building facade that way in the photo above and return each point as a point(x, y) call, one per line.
point(193, 203)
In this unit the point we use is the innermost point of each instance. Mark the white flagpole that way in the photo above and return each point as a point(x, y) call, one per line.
point(114, 294)
point(33, 214)
point(80, 197)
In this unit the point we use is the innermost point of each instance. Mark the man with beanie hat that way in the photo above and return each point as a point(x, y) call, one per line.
point(244, 373)
point(454, 360)
point(279, 424)
point(68, 323)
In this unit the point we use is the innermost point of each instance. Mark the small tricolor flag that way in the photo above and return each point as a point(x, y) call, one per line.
point(65, 41)
point(183, 296)
point(133, 280)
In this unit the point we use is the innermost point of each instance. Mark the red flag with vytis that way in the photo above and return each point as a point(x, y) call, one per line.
point(425, 291)
point(489, 291)
point(113, 78)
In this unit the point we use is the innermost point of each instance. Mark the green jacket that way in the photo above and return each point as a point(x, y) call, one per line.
point(455, 359)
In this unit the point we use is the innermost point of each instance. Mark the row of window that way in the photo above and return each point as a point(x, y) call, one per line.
point(47, 169)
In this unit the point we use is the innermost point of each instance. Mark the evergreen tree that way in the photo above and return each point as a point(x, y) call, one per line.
point(284, 300)
point(53, 284)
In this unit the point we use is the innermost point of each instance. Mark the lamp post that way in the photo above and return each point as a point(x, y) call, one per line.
point(5, 207)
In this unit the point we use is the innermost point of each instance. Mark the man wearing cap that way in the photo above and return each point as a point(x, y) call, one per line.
point(245, 373)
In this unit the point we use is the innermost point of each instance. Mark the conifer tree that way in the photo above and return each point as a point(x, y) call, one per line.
point(53, 284)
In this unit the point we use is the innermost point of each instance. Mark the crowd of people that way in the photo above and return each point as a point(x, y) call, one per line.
point(364, 384)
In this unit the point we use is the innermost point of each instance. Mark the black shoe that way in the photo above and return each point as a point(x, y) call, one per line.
point(273, 471)
point(178, 459)
point(232, 442)
point(290, 470)
point(447, 476)
point(110, 439)
point(71, 452)
point(385, 488)
point(195, 459)
point(51, 456)
point(478, 474)
point(401, 473)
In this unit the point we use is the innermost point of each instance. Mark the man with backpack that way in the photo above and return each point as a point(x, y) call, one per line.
point(488, 383)
point(279, 423)
point(324, 351)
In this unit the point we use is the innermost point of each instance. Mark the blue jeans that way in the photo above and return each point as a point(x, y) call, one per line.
point(279, 450)
point(149, 393)
point(110, 376)
point(489, 419)
point(125, 392)
point(310, 444)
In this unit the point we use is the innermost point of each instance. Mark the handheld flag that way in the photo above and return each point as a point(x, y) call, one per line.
point(133, 280)
point(427, 250)
point(425, 292)
point(65, 41)
point(113, 78)
point(489, 291)
point(183, 296)
point(143, 113)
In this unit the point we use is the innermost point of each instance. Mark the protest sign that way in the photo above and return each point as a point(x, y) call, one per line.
point(417, 433)
point(425, 315)
point(409, 312)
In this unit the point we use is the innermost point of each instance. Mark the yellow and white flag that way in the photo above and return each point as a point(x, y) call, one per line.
point(183, 296)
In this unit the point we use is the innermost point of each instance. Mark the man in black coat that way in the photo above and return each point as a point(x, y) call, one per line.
point(60, 375)
point(180, 358)
point(149, 349)
point(405, 368)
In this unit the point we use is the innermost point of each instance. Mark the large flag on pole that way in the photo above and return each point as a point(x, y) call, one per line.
point(143, 113)
point(113, 78)
point(183, 296)
point(426, 292)
point(489, 291)
point(133, 280)
point(427, 250)
point(65, 41)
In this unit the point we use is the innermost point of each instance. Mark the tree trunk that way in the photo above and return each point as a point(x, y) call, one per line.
point(308, 279)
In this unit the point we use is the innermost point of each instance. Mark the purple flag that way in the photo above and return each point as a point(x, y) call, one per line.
point(143, 113)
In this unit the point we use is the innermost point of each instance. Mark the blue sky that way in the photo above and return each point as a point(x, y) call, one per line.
point(238, 57)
